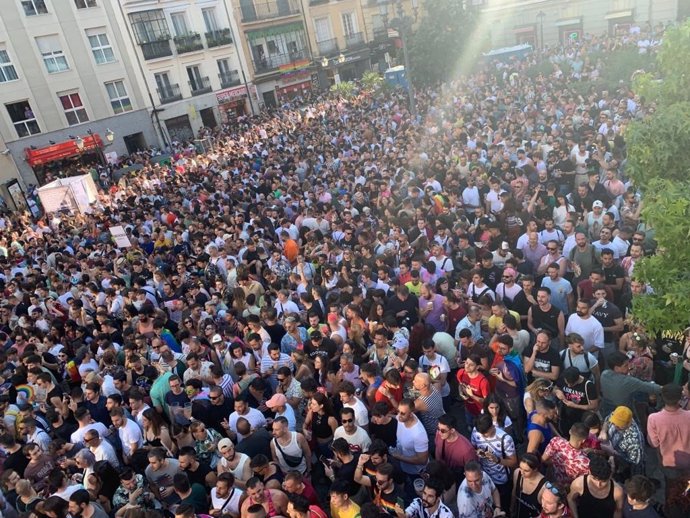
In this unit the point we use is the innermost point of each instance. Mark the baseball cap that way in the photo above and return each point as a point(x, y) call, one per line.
point(276, 401)
point(401, 342)
point(598, 203)
point(621, 417)
point(216, 339)
point(223, 444)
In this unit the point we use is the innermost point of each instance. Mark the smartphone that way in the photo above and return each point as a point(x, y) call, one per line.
point(399, 501)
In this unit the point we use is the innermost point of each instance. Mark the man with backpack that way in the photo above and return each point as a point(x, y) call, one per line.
point(576, 356)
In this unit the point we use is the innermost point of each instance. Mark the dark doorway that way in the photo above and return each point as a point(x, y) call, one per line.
point(179, 129)
point(135, 142)
point(270, 99)
point(208, 117)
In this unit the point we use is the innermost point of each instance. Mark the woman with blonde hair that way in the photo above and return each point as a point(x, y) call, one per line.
point(536, 391)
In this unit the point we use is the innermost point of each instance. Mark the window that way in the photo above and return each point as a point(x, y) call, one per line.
point(74, 109)
point(23, 118)
point(179, 23)
point(119, 99)
point(149, 26)
point(53, 57)
point(84, 4)
point(7, 70)
point(34, 7)
point(163, 81)
point(323, 29)
point(272, 47)
point(349, 24)
point(224, 66)
point(100, 46)
point(196, 82)
point(209, 15)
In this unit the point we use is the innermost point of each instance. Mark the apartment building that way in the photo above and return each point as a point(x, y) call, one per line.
point(537, 22)
point(190, 63)
point(68, 89)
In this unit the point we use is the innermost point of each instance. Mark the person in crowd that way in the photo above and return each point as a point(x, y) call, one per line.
point(595, 494)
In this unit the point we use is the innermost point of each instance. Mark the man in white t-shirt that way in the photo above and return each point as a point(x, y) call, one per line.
point(356, 437)
point(101, 448)
point(346, 391)
point(412, 448)
point(242, 409)
point(129, 432)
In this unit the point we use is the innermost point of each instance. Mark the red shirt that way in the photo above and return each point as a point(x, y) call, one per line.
point(396, 393)
point(480, 388)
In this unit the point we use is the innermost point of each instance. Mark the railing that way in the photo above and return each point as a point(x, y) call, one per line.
point(252, 12)
point(218, 38)
point(156, 49)
point(328, 47)
point(380, 34)
point(318, 2)
point(199, 86)
point(190, 42)
point(272, 62)
point(169, 93)
point(229, 79)
point(355, 40)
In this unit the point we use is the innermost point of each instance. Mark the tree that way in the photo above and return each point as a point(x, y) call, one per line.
point(440, 41)
point(657, 164)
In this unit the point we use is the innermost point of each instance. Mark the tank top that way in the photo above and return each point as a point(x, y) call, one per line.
point(293, 449)
point(434, 410)
point(546, 432)
point(592, 507)
point(320, 427)
point(237, 472)
point(528, 503)
point(269, 500)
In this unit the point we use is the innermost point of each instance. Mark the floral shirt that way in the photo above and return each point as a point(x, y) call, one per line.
point(628, 443)
point(568, 463)
point(145, 499)
point(206, 449)
point(476, 505)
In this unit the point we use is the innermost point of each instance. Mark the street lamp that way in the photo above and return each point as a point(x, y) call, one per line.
point(324, 62)
point(403, 24)
point(341, 58)
point(80, 143)
point(109, 135)
point(540, 16)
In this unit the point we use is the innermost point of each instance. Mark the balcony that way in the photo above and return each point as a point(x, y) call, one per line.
point(328, 47)
point(229, 79)
point(200, 86)
point(218, 38)
point(190, 42)
point(380, 34)
point(269, 63)
point(355, 40)
point(169, 93)
point(257, 11)
point(157, 49)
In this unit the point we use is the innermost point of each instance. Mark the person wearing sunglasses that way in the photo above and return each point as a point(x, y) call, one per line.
point(553, 502)
point(356, 436)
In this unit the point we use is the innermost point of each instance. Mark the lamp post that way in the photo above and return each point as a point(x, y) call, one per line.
point(540, 16)
point(403, 24)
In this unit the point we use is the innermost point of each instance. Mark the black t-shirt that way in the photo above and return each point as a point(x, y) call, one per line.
point(276, 332)
point(388, 500)
point(580, 394)
point(16, 461)
point(388, 433)
point(543, 362)
point(199, 476)
point(479, 349)
point(612, 273)
point(347, 472)
point(546, 319)
point(64, 431)
point(327, 348)
point(607, 317)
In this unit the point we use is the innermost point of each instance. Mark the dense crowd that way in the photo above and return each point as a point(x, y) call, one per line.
point(340, 310)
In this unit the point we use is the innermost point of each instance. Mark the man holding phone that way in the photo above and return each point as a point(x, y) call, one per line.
point(387, 496)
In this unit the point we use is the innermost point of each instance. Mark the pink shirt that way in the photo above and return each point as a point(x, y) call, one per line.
point(670, 432)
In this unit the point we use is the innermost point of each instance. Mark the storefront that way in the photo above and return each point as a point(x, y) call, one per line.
point(294, 84)
point(179, 129)
point(232, 103)
point(65, 158)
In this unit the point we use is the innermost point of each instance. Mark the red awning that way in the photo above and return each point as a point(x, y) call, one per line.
point(61, 150)
point(304, 85)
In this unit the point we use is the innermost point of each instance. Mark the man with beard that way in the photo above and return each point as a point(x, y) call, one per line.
point(80, 506)
point(429, 505)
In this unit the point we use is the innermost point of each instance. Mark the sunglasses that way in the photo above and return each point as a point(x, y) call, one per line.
point(552, 249)
point(553, 489)
point(347, 421)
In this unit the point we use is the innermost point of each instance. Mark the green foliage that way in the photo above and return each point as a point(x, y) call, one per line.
point(372, 81)
point(658, 145)
point(620, 65)
point(345, 89)
point(657, 164)
point(443, 37)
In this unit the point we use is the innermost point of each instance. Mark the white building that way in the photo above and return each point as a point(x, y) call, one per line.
point(66, 69)
point(188, 57)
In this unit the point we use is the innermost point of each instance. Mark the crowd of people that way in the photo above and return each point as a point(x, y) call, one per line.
point(341, 310)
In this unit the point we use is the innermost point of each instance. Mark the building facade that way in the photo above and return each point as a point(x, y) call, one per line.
point(190, 64)
point(538, 22)
point(67, 77)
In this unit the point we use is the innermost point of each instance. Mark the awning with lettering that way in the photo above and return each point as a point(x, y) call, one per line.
point(45, 155)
